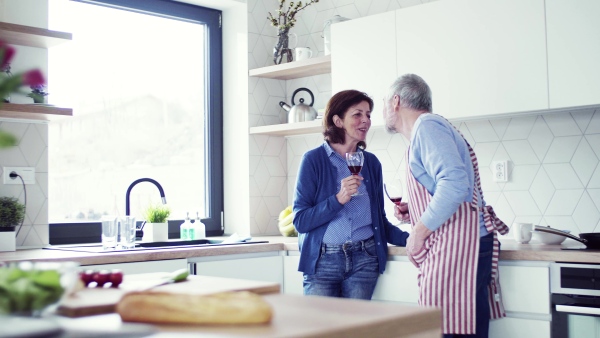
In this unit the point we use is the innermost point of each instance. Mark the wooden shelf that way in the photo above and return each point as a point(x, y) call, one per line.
point(296, 69)
point(31, 36)
point(289, 129)
point(33, 112)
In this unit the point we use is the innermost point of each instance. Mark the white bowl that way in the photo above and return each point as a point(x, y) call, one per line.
point(548, 238)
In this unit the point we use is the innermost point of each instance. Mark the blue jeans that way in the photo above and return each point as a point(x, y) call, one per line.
point(349, 270)
point(484, 277)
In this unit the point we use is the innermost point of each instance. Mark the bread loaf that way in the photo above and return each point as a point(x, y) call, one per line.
point(241, 307)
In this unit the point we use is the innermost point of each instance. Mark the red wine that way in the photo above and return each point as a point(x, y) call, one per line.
point(396, 200)
point(355, 169)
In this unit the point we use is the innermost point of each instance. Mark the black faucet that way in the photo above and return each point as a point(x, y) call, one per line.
point(160, 189)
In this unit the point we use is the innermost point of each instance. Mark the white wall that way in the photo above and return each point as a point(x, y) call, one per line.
point(553, 157)
point(32, 149)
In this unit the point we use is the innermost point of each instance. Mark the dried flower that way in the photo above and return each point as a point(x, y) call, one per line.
point(287, 19)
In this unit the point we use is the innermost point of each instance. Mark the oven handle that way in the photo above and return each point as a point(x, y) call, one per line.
point(578, 309)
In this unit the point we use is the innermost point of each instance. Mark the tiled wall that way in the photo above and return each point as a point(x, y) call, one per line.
point(554, 176)
point(31, 151)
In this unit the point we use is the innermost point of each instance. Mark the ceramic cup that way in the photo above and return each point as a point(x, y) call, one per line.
point(522, 232)
point(303, 53)
point(109, 232)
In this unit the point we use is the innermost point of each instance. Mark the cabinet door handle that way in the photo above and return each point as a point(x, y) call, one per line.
point(578, 309)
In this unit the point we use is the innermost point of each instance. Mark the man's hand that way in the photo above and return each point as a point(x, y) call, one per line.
point(416, 240)
point(401, 212)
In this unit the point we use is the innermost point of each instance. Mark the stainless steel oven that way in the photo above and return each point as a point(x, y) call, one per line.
point(575, 300)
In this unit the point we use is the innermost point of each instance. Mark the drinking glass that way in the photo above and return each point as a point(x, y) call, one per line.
point(394, 191)
point(355, 162)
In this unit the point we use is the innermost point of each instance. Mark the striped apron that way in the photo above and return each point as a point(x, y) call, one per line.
point(448, 261)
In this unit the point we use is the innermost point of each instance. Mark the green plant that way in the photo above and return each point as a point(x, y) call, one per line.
point(12, 212)
point(157, 213)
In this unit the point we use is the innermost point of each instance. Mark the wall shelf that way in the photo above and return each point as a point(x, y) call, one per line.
point(32, 36)
point(294, 70)
point(289, 129)
point(33, 111)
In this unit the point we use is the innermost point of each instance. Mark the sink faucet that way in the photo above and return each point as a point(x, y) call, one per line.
point(160, 189)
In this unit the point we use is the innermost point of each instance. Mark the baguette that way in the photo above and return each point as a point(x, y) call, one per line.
point(242, 307)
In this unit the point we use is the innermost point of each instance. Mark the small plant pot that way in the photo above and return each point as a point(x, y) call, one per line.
point(156, 232)
point(8, 240)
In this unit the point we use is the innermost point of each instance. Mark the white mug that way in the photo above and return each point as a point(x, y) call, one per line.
point(522, 232)
point(303, 53)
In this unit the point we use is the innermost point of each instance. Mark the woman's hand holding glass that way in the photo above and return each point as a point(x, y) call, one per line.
point(355, 162)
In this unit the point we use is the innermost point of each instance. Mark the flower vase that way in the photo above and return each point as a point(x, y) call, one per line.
point(38, 98)
point(282, 49)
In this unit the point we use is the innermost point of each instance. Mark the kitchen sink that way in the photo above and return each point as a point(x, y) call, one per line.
point(171, 244)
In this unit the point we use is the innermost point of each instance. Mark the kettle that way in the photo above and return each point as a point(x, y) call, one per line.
point(300, 112)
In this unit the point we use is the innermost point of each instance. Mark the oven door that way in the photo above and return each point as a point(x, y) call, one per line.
point(575, 316)
point(575, 300)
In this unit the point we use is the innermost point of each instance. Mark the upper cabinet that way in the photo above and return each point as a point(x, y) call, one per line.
point(363, 57)
point(32, 37)
point(573, 52)
point(480, 57)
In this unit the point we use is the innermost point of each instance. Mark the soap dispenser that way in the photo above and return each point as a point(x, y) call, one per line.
point(186, 231)
point(199, 228)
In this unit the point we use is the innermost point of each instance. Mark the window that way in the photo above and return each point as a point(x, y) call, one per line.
point(145, 81)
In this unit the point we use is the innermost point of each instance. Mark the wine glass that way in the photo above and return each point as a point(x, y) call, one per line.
point(394, 192)
point(355, 162)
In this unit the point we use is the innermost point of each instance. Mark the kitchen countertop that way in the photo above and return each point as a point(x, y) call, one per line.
point(295, 316)
point(511, 250)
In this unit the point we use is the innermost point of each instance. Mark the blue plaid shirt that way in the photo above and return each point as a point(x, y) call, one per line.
point(353, 222)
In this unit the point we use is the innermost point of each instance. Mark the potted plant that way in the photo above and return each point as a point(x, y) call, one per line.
point(12, 214)
point(156, 228)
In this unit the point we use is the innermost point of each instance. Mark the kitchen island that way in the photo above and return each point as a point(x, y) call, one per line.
point(293, 316)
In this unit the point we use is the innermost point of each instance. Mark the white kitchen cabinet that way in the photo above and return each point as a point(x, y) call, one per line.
point(573, 33)
point(398, 283)
point(526, 295)
point(519, 328)
point(525, 288)
point(480, 57)
point(263, 266)
point(363, 57)
point(292, 278)
point(142, 267)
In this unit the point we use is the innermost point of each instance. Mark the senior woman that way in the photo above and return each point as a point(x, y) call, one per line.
point(342, 238)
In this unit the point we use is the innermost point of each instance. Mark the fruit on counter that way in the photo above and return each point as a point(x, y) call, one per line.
point(285, 224)
point(101, 278)
point(115, 278)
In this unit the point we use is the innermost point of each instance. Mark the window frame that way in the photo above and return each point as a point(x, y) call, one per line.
point(88, 232)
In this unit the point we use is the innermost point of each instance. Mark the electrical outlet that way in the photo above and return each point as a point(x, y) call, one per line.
point(27, 173)
point(500, 171)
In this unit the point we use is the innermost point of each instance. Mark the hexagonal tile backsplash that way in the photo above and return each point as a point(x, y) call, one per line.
point(554, 176)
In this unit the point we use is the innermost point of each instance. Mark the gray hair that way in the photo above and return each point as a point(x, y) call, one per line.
point(413, 92)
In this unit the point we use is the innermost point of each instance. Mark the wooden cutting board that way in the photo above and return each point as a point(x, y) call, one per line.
point(94, 301)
